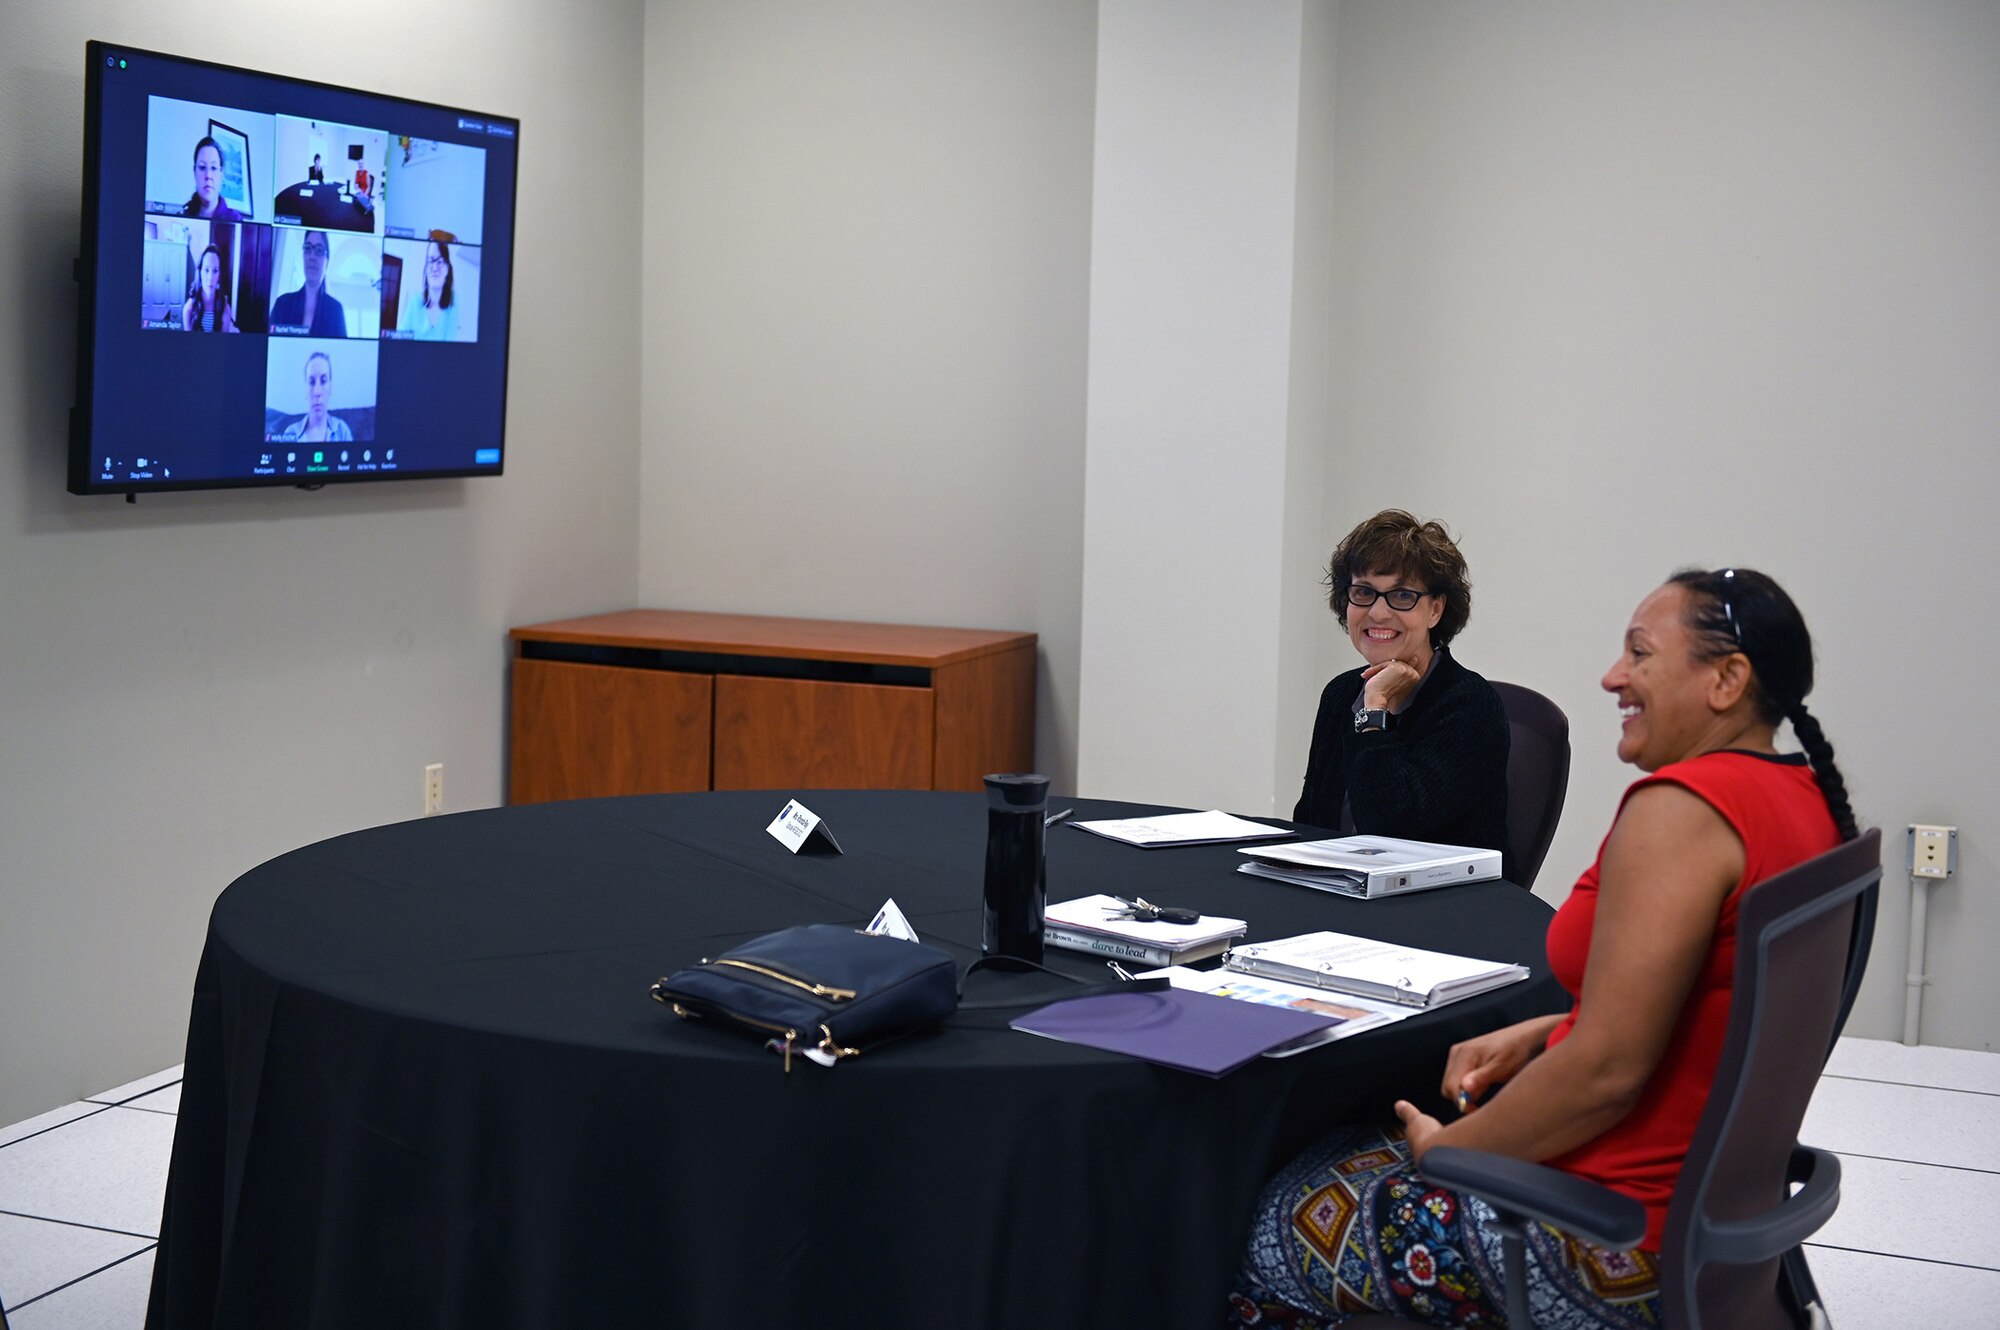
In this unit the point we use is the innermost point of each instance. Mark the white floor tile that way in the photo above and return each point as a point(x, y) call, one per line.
point(1946, 1068)
point(159, 1101)
point(55, 1117)
point(108, 1170)
point(1905, 1122)
point(1868, 1292)
point(37, 1255)
point(144, 1085)
point(1895, 1209)
point(113, 1299)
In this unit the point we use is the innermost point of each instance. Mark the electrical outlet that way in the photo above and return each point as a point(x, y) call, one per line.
point(433, 788)
point(1933, 850)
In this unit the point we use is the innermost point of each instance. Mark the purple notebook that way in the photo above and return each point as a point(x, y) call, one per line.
point(1175, 1028)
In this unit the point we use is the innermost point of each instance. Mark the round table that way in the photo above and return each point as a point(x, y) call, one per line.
point(425, 1084)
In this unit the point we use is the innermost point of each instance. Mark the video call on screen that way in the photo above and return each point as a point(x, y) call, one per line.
point(294, 282)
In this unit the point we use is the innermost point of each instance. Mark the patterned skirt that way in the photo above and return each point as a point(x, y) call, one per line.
point(1349, 1227)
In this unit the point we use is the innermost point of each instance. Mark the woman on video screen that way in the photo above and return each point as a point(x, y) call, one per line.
point(207, 198)
point(311, 306)
point(432, 317)
point(318, 425)
point(207, 307)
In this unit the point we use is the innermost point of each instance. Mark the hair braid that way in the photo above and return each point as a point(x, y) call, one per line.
point(1820, 753)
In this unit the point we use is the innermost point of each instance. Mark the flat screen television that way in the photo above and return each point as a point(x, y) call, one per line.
point(286, 282)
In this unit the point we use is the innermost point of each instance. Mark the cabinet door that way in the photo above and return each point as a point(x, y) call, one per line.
point(780, 734)
point(581, 731)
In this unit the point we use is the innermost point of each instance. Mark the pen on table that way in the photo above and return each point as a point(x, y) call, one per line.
point(1054, 818)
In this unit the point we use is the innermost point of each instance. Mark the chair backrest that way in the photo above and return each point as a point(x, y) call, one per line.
point(1795, 933)
point(1537, 776)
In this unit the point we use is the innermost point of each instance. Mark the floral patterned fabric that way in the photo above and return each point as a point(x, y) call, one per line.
point(1350, 1228)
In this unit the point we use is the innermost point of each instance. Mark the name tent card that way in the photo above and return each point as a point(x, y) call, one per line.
point(798, 828)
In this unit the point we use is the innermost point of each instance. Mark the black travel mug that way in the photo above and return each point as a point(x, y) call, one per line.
point(1016, 868)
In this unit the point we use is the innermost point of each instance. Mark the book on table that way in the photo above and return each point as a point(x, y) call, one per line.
point(1371, 866)
point(1169, 829)
point(1383, 971)
point(1089, 924)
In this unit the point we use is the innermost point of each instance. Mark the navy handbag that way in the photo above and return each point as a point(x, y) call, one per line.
point(829, 986)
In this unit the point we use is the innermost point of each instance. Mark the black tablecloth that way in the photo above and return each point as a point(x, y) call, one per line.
point(425, 1085)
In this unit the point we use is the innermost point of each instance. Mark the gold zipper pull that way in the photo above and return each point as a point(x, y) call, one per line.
point(831, 1049)
point(789, 1036)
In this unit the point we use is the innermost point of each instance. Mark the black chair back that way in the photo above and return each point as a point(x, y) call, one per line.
point(1537, 776)
point(1725, 1235)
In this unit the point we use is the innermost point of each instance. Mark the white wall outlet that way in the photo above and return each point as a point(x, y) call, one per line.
point(433, 789)
point(1933, 850)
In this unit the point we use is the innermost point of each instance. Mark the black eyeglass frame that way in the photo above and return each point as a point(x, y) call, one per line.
point(1360, 595)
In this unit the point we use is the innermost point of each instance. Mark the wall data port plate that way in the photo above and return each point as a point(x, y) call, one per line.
point(1933, 850)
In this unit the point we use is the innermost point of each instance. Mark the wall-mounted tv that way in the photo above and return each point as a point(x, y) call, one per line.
point(285, 282)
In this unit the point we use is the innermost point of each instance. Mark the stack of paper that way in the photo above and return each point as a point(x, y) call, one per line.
point(1152, 833)
point(1380, 970)
point(1088, 924)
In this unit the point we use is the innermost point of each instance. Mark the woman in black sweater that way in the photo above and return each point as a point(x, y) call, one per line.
point(1412, 744)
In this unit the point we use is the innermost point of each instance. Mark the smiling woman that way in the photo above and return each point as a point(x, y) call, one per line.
point(1411, 744)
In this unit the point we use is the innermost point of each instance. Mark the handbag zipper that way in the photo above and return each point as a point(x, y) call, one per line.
point(689, 1013)
point(817, 990)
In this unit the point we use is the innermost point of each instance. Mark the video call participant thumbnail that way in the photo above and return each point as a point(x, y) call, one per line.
point(207, 307)
point(320, 392)
point(310, 308)
point(206, 161)
point(430, 290)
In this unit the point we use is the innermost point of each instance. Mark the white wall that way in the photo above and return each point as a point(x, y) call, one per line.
point(1195, 202)
point(193, 684)
point(1624, 287)
point(866, 241)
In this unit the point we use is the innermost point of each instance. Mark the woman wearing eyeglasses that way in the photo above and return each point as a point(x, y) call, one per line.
point(1412, 744)
point(1612, 1090)
point(311, 307)
point(432, 316)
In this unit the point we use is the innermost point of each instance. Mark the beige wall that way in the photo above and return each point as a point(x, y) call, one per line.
point(196, 683)
point(866, 240)
point(1624, 287)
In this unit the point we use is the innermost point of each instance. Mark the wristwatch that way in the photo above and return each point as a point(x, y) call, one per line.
point(1369, 718)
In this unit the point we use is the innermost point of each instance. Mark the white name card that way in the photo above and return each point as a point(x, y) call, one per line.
point(798, 827)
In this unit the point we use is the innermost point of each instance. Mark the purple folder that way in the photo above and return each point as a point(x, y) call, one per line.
point(1174, 1027)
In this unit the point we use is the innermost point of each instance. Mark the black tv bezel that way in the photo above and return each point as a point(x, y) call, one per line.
point(82, 480)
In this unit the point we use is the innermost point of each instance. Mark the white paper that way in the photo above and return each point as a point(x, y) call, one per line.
point(889, 922)
point(797, 826)
point(1182, 829)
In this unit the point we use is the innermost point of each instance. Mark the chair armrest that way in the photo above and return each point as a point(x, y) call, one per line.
point(1786, 1224)
point(1596, 1214)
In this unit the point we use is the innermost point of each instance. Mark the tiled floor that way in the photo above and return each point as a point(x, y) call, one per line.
point(1918, 1131)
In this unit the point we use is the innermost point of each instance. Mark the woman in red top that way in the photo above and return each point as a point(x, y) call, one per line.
point(1713, 662)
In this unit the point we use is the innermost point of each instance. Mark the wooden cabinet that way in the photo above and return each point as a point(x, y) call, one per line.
point(656, 701)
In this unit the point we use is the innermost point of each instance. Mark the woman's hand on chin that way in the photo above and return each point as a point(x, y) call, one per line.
point(1388, 684)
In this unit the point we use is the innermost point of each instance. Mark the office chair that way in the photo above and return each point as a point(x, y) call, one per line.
point(1731, 1258)
point(1537, 775)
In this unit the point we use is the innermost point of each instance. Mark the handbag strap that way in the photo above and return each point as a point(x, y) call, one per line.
point(1087, 988)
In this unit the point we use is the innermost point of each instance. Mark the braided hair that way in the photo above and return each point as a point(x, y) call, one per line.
point(1740, 609)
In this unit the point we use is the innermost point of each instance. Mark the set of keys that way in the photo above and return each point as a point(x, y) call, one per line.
point(1141, 910)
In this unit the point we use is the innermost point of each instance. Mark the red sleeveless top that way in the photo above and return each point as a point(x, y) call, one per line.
point(1777, 809)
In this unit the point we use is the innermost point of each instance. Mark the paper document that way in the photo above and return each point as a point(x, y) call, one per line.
point(1167, 829)
point(1367, 968)
point(1355, 1014)
point(1173, 1027)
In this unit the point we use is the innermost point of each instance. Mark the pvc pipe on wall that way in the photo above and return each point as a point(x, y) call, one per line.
point(1914, 977)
